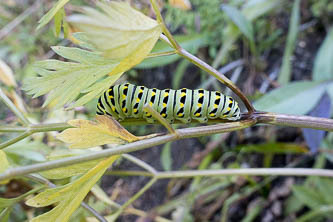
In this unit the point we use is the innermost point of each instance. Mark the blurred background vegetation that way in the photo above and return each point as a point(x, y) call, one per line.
point(279, 52)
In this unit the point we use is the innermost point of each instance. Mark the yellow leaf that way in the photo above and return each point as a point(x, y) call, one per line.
point(121, 32)
point(6, 74)
point(89, 134)
point(4, 164)
point(182, 4)
point(69, 196)
point(18, 101)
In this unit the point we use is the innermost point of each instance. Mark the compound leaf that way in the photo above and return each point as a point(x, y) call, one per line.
point(119, 31)
point(69, 196)
point(66, 80)
point(90, 134)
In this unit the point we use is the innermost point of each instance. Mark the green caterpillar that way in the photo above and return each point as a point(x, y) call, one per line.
point(127, 101)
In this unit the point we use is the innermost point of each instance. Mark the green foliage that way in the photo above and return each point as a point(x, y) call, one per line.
point(285, 73)
point(101, 62)
point(321, 8)
point(284, 97)
point(68, 197)
point(50, 14)
point(317, 195)
point(212, 21)
point(323, 66)
point(189, 42)
point(240, 21)
point(66, 80)
point(166, 159)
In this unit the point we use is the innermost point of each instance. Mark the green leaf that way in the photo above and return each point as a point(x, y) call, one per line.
point(284, 98)
point(323, 65)
point(251, 10)
point(316, 214)
point(308, 196)
point(69, 196)
point(5, 202)
point(240, 21)
point(273, 148)
point(3, 161)
point(96, 90)
point(58, 18)
point(68, 171)
point(27, 150)
point(65, 81)
point(4, 215)
point(49, 15)
point(166, 158)
point(285, 73)
point(4, 165)
point(325, 187)
point(189, 42)
point(119, 31)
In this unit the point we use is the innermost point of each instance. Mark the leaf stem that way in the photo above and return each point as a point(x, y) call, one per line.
point(136, 196)
point(15, 140)
point(164, 28)
point(159, 54)
point(158, 117)
point(140, 163)
point(13, 108)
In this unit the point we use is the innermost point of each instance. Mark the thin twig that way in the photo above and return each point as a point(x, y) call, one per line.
point(136, 196)
point(248, 171)
point(164, 28)
point(158, 117)
point(15, 139)
point(140, 163)
point(159, 54)
point(128, 173)
point(222, 78)
point(139, 145)
point(13, 108)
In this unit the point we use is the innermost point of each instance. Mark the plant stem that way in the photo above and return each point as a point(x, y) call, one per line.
point(204, 66)
point(128, 173)
point(164, 28)
point(136, 196)
point(158, 117)
point(13, 108)
point(140, 163)
point(249, 171)
point(159, 54)
point(15, 140)
point(295, 121)
point(139, 145)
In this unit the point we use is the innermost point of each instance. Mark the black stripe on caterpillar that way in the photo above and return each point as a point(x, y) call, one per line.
point(127, 101)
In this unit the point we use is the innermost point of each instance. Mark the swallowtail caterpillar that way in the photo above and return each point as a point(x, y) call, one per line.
point(127, 101)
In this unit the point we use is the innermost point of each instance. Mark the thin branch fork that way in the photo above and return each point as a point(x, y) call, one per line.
point(139, 145)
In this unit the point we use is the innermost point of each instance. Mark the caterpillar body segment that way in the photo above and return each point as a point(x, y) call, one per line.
point(127, 101)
